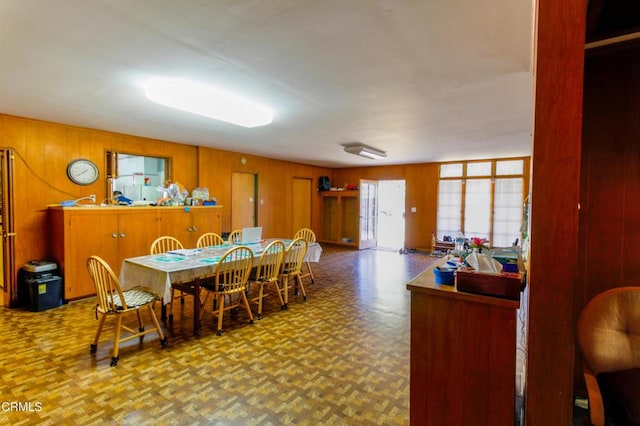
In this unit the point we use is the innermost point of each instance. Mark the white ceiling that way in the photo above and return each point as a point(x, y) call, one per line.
point(424, 80)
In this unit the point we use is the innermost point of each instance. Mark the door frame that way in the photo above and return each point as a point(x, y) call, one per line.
point(364, 243)
point(254, 196)
point(9, 284)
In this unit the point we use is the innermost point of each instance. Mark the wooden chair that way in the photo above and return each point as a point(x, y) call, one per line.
point(310, 237)
point(230, 282)
point(209, 239)
point(162, 245)
point(112, 301)
point(609, 338)
point(291, 269)
point(267, 272)
point(235, 237)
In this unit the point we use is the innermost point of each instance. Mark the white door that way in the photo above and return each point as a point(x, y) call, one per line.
point(368, 214)
point(391, 214)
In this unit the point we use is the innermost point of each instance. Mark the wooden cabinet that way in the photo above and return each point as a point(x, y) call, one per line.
point(463, 356)
point(116, 233)
point(340, 217)
point(188, 223)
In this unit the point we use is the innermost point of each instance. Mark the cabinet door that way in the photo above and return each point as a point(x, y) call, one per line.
point(176, 223)
point(137, 229)
point(88, 234)
point(205, 220)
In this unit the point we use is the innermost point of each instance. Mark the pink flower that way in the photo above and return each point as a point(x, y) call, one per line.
point(477, 242)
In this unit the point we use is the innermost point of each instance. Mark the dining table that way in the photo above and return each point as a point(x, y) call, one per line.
point(159, 272)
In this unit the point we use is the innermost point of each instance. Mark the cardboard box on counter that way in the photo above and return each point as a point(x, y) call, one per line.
point(506, 285)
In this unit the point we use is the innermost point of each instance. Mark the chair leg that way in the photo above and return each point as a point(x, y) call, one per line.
point(163, 340)
point(285, 291)
point(313, 280)
point(140, 323)
point(260, 297)
point(247, 307)
point(116, 341)
point(94, 345)
point(220, 300)
point(279, 293)
point(301, 286)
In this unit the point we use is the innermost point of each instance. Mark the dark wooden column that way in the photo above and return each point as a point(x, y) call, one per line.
point(555, 179)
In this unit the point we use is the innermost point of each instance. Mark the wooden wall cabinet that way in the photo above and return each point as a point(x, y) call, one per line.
point(188, 223)
point(116, 233)
point(463, 356)
point(340, 217)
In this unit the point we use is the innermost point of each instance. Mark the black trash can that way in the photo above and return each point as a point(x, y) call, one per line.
point(41, 286)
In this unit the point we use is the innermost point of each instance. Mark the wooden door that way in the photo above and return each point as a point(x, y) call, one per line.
point(8, 284)
point(368, 214)
point(93, 233)
point(137, 229)
point(301, 209)
point(205, 219)
point(243, 200)
point(176, 223)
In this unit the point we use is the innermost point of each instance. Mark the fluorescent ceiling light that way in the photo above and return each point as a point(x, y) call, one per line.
point(365, 151)
point(207, 101)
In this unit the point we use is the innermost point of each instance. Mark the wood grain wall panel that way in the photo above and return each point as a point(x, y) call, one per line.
point(610, 193)
point(558, 72)
point(43, 150)
point(421, 193)
point(274, 187)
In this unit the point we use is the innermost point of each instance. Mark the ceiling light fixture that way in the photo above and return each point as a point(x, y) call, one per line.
point(365, 151)
point(207, 101)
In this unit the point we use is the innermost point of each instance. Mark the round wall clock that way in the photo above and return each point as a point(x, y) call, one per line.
point(82, 171)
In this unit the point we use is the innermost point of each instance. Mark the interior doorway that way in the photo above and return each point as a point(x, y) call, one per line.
point(391, 214)
point(243, 200)
point(368, 214)
point(7, 230)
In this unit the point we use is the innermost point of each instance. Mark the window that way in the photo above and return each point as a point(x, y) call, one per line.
point(136, 177)
point(449, 207)
point(482, 199)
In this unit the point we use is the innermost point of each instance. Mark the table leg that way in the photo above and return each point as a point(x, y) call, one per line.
point(196, 307)
point(163, 312)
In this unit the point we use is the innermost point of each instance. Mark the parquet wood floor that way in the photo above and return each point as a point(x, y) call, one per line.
point(340, 358)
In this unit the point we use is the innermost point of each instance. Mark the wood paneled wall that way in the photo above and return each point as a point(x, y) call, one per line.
point(421, 192)
point(43, 150)
point(275, 187)
point(610, 191)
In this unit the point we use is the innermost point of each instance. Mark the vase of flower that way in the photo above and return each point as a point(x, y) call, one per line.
point(478, 244)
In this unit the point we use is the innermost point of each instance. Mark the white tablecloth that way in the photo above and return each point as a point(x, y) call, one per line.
point(157, 272)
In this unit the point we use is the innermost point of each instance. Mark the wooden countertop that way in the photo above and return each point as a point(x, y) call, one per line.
point(94, 207)
point(425, 283)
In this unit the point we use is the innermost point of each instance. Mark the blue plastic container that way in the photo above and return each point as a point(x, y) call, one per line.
point(444, 275)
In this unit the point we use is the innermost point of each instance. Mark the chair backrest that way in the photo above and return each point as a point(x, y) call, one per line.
point(270, 261)
point(294, 256)
point(108, 289)
point(235, 236)
point(164, 244)
point(609, 330)
point(307, 234)
point(209, 239)
point(232, 272)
